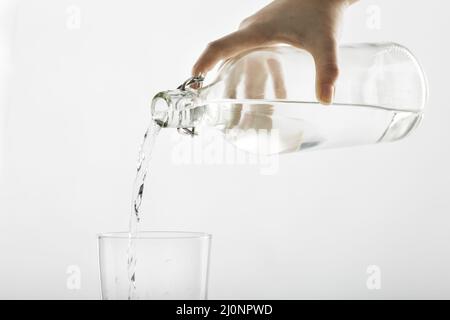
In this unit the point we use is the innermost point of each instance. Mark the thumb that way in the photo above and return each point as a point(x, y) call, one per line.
point(327, 71)
point(225, 48)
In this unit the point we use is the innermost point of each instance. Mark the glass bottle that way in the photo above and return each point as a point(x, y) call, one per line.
point(263, 100)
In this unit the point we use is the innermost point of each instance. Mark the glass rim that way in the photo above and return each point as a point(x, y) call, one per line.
point(156, 235)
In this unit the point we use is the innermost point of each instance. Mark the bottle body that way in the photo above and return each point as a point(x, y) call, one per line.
point(264, 100)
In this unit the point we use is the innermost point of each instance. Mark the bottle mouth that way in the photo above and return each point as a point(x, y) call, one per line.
point(160, 109)
point(173, 108)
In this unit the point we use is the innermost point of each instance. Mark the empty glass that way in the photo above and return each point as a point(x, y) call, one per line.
point(169, 265)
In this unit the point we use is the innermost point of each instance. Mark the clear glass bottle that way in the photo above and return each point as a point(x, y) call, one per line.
point(264, 100)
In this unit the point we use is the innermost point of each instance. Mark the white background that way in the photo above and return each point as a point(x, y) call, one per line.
point(75, 102)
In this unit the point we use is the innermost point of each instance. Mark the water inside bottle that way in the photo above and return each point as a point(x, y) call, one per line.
point(271, 127)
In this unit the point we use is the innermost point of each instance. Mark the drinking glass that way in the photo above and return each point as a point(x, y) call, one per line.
point(169, 265)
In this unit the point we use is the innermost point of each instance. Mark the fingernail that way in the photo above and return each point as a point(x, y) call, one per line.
point(326, 94)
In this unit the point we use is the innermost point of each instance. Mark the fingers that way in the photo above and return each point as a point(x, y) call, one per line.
point(255, 78)
point(231, 87)
point(276, 71)
point(225, 48)
point(327, 71)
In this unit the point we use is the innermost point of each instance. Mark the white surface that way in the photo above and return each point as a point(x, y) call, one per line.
point(76, 106)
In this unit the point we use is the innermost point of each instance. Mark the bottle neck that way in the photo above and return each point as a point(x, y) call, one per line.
point(176, 109)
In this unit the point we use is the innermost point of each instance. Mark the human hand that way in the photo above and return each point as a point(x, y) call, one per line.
point(308, 24)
